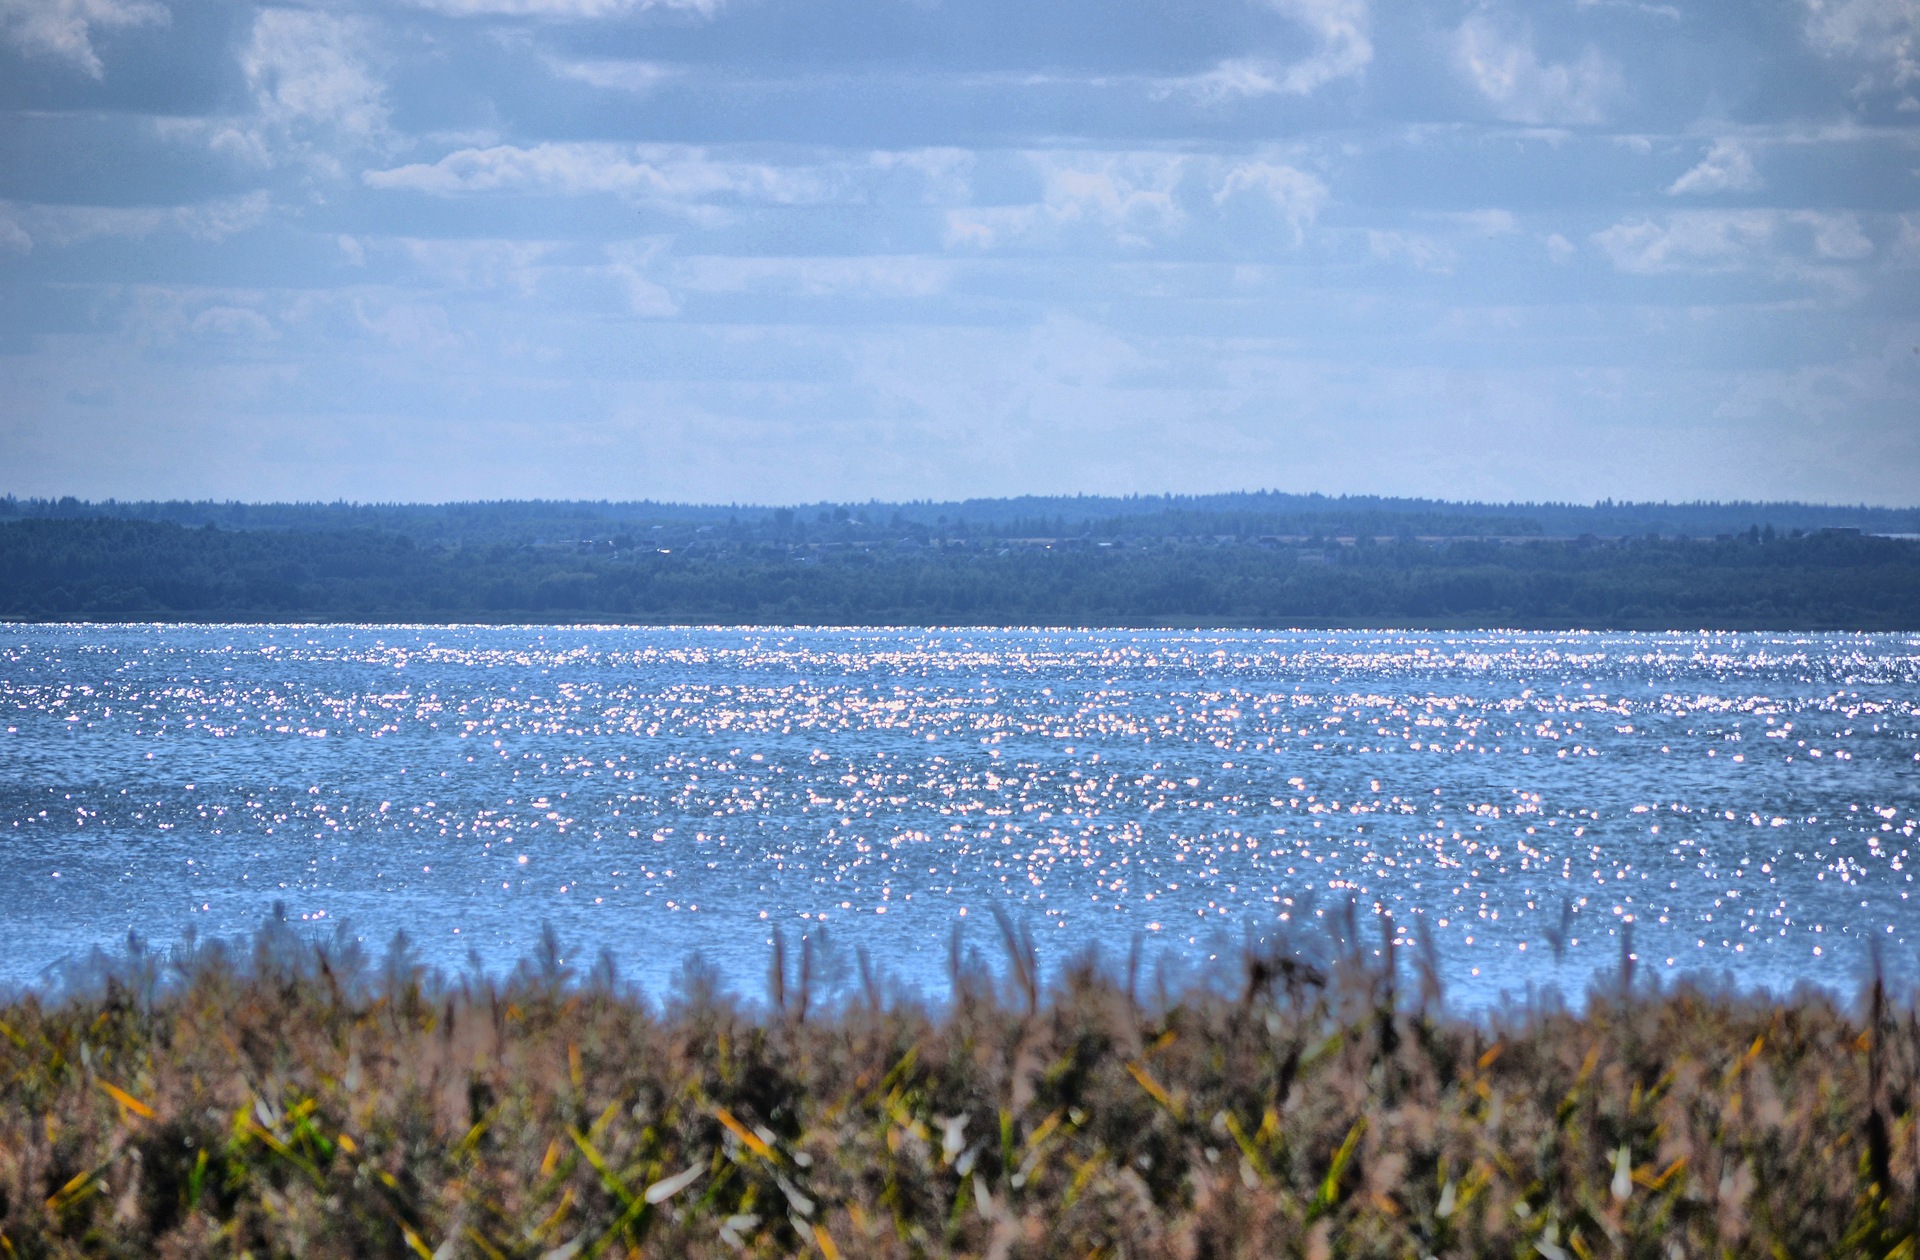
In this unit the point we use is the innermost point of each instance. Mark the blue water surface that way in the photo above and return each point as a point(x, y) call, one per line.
point(1746, 802)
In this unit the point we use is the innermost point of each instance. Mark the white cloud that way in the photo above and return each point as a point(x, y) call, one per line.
point(945, 174)
point(1297, 195)
point(1232, 79)
point(64, 29)
point(478, 264)
point(873, 275)
point(1905, 251)
point(1343, 29)
point(565, 10)
point(314, 94)
point(1128, 196)
point(1884, 35)
point(631, 264)
point(177, 315)
point(216, 220)
point(1733, 240)
point(307, 67)
point(1132, 194)
point(1668, 11)
point(1506, 70)
point(1728, 167)
point(13, 235)
point(643, 172)
point(235, 323)
point(1836, 236)
point(22, 225)
point(420, 329)
point(1697, 240)
point(1488, 223)
point(1438, 253)
point(1415, 248)
point(1342, 32)
point(985, 227)
point(613, 75)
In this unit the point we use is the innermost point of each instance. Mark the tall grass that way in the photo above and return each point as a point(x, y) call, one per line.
point(303, 1099)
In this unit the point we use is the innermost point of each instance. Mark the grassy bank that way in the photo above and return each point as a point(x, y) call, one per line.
point(295, 1101)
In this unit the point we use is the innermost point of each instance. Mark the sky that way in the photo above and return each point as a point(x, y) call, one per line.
point(770, 251)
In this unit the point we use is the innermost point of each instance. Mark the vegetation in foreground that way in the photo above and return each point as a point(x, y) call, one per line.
point(298, 1102)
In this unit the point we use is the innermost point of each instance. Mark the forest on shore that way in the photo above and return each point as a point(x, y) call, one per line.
point(1443, 566)
point(1236, 516)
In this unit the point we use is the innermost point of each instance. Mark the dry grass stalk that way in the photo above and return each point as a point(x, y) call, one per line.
point(303, 1102)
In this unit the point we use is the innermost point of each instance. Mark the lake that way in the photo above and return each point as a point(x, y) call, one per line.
point(1745, 802)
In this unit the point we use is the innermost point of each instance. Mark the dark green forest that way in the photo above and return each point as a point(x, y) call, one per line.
point(841, 572)
point(1250, 515)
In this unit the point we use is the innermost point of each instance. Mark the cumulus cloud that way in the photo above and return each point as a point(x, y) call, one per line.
point(643, 172)
point(12, 235)
point(869, 275)
point(21, 226)
point(944, 175)
point(234, 323)
point(1669, 12)
point(175, 315)
point(565, 10)
point(1132, 194)
point(421, 329)
point(1882, 35)
point(1504, 67)
point(1732, 240)
point(1836, 236)
point(1417, 249)
point(307, 67)
point(64, 29)
point(1905, 252)
point(614, 74)
point(1234, 78)
point(1488, 223)
point(1297, 195)
point(478, 264)
point(1342, 33)
point(1728, 167)
point(1128, 197)
point(986, 227)
point(1700, 240)
point(1343, 30)
point(313, 92)
point(632, 264)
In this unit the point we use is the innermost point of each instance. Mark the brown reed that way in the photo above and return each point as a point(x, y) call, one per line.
point(302, 1101)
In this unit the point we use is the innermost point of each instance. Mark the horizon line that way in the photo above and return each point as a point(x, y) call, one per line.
point(1143, 497)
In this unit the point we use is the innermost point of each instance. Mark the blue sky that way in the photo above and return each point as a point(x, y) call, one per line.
point(791, 250)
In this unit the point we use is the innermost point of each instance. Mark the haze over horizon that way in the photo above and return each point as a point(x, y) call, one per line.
point(741, 251)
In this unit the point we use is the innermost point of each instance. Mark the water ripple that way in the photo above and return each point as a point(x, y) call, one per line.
point(1745, 802)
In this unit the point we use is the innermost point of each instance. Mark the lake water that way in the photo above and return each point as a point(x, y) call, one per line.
point(1747, 802)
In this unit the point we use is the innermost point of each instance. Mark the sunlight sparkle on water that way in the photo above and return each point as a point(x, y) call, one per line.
point(1745, 802)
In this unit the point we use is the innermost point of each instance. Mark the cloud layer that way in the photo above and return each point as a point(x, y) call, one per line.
point(65, 29)
point(719, 250)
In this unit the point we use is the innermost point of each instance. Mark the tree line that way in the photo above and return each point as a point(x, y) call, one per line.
point(92, 568)
point(1244, 517)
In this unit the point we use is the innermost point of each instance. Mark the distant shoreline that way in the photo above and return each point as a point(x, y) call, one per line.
point(785, 572)
point(546, 622)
